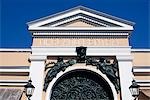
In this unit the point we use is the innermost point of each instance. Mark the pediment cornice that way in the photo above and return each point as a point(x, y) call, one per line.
point(100, 22)
point(80, 12)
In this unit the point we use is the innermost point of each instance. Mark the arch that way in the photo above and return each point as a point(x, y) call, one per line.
point(77, 68)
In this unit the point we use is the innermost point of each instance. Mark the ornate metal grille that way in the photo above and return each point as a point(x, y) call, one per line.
point(81, 86)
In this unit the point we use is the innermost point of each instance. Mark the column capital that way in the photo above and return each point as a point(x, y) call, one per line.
point(37, 57)
point(124, 57)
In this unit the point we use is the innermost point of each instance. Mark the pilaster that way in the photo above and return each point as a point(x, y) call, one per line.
point(37, 75)
point(126, 75)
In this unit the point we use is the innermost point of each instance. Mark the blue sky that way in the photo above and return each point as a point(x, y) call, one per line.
point(16, 13)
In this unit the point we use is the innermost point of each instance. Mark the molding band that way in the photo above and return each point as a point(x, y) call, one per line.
point(37, 57)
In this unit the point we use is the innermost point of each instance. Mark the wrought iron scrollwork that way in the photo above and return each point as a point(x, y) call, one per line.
point(103, 64)
point(59, 66)
point(107, 68)
point(79, 88)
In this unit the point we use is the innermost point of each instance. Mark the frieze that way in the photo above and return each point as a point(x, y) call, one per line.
point(75, 41)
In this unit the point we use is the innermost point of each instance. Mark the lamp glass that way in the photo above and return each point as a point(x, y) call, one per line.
point(29, 91)
point(134, 91)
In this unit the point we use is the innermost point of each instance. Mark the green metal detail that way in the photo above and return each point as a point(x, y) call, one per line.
point(79, 88)
point(103, 64)
point(81, 54)
point(59, 66)
point(107, 68)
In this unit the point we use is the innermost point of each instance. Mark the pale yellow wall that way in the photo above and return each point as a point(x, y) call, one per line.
point(78, 24)
point(80, 42)
point(21, 58)
point(142, 77)
point(14, 58)
point(14, 77)
point(12, 87)
point(141, 58)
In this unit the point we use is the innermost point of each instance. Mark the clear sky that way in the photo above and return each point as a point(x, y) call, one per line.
point(16, 13)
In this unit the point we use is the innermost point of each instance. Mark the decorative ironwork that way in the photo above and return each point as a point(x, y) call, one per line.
point(80, 88)
point(81, 54)
point(103, 64)
point(59, 66)
point(110, 69)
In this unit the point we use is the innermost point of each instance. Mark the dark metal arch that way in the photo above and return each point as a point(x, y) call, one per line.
point(90, 83)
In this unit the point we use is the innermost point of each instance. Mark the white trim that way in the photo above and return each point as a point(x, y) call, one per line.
point(75, 47)
point(143, 83)
point(13, 82)
point(52, 19)
point(126, 75)
point(29, 50)
point(80, 28)
point(71, 68)
point(14, 50)
point(78, 10)
point(140, 50)
point(124, 57)
point(80, 34)
point(38, 57)
point(78, 17)
point(104, 18)
point(14, 70)
point(37, 75)
point(141, 70)
point(83, 8)
point(70, 51)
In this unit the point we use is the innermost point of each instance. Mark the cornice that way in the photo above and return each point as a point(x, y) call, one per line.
point(100, 29)
point(80, 9)
point(13, 82)
point(79, 34)
point(37, 57)
point(91, 51)
point(76, 18)
point(115, 32)
point(140, 50)
point(141, 69)
point(14, 50)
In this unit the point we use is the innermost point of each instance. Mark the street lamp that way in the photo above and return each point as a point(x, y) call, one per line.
point(29, 89)
point(134, 89)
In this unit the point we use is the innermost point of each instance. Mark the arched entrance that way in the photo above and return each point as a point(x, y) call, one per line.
point(81, 85)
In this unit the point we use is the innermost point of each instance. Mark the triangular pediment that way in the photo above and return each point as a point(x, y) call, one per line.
point(77, 23)
point(80, 22)
point(80, 17)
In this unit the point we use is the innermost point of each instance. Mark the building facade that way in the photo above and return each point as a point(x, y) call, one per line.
point(77, 54)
